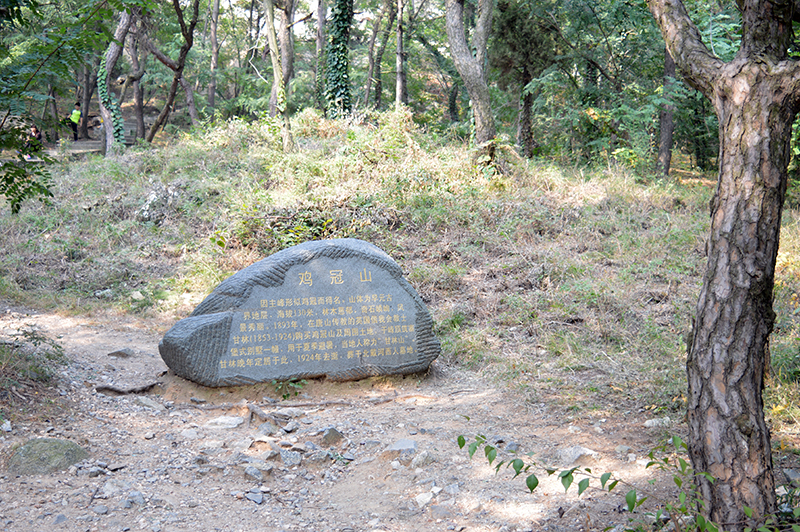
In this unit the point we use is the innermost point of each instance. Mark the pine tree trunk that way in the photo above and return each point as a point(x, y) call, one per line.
point(755, 97)
point(728, 436)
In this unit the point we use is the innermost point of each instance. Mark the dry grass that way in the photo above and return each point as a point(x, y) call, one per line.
point(574, 287)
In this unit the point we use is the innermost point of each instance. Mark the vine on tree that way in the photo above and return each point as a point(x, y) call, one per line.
point(110, 103)
point(337, 87)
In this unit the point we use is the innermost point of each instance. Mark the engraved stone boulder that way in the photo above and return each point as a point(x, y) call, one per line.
point(339, 309)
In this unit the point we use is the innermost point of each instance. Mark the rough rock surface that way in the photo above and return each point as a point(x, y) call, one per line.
point(41, 456)
point(324, 329)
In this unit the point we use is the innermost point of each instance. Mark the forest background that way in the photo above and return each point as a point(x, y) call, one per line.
point(585, 87)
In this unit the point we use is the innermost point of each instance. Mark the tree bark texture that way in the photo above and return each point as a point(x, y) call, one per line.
point(112, 55)
point(525, 129)
point(755, 99)
point(666, 122)
point(472, 67)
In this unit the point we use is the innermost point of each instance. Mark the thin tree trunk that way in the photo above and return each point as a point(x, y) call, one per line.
point(452, 103)
point(187, 31)
point(285, 38)
point(319, 72)
point(400, 63)
point(447, 68)
point(212, 83)
point(278, 83)
point(191, 108)
point(666, 122)
point(525, 132)
point(135, 80)
point(387, 31)
point(89, 86)
point(376, 26)
point(53, 108)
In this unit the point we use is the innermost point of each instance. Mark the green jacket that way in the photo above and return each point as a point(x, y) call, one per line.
point(75, 116)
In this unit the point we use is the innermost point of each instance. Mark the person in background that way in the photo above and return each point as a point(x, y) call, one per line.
point(34, 142)
point(74, 119)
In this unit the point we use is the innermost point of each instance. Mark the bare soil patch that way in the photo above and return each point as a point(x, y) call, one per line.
point(173, 473)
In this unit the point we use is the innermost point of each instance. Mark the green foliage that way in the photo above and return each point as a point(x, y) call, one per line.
point(287, 389)
point(11, 12)
point(32, 357)
point(46, 45)
point(337, 70)
point(686, 512)
point(110, 102)
point(20, 179)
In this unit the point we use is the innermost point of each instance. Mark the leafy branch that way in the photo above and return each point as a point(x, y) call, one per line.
point(687, 511)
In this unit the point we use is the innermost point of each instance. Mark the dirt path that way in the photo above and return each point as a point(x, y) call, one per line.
point(159, 461)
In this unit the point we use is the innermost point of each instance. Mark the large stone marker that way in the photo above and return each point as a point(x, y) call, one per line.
point(334, 308)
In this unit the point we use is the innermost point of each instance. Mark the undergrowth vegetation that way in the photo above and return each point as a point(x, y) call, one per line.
point(575, 286)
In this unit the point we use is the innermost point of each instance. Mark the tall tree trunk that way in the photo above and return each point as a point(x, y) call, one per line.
point(89, 86)
point(756, 97)
point(286, 47)
point(376, 26)
point(191, 108)
point(472, 67)
point(212, 83)
point(113, 52)
point(666, 123)
point(278, 83)
point(387, 31)
point(138, 67)
point(319, 71)
point(525, 130)
point(53, 109)
point(734, 312)
point(400, 62)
